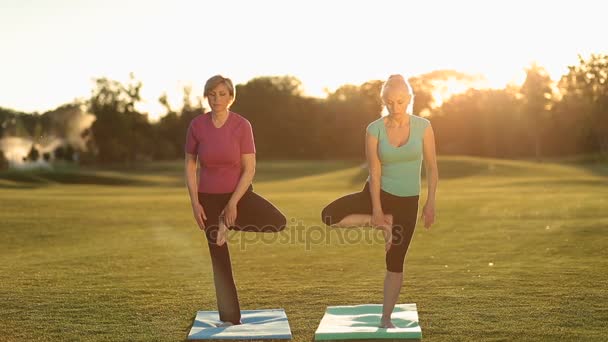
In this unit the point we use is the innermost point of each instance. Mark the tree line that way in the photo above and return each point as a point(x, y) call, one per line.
point(541, 118)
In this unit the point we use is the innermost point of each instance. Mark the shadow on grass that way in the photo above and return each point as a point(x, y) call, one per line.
point(596, 164)
point(552, 183)
point(17, 186)
point(282, 170)
point(38, 178)
point(455, 168)
point(172, 172)
point(130, 175)
point(266, 170)
point(598, 169)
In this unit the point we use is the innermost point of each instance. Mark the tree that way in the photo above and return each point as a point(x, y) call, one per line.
point(17, 127)
point(60, 153)
point(429, 87)
point(33, 155)
point(480, 123)
point(121, 133)
point(348, 111)
point(3, 161)
point(537, 94)
point(278, 114)
point(170, 131)
point(585, 91)
point(69, 153)
point(8, 118)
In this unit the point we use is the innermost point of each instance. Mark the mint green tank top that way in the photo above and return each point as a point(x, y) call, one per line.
point(401, 166)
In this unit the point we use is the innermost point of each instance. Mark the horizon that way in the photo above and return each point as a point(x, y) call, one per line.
point(54, 51)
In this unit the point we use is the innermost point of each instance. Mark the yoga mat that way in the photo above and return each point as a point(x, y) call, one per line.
point(257, 324)
point(358, 322)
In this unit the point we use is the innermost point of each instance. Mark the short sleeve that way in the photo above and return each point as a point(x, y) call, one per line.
point(424, 123)
point(374, 129)
point(191, 145)
point(247, 142)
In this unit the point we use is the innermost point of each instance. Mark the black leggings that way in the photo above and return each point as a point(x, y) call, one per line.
point(403, 209)
point(254, 214)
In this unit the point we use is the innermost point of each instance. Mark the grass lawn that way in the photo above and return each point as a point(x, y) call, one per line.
point(519, 252)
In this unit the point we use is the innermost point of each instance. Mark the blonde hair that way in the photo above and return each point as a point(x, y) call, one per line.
point(217, 80)
point(398, 82)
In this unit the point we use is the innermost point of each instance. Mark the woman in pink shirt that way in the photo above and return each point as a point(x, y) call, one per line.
point(223, 196)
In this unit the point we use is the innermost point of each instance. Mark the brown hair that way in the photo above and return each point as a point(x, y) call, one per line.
point(217, 80)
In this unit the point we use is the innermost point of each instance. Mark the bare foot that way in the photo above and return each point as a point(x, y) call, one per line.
point(387, 231)
point(386, 323)
point(389, 219)
point(221, 233)
point(388, 237)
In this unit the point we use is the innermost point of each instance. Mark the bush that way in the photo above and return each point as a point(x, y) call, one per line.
point(3, 161)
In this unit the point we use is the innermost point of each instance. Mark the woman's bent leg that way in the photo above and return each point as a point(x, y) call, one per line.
point(257, 214)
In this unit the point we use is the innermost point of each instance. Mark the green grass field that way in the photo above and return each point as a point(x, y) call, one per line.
point(519, 253)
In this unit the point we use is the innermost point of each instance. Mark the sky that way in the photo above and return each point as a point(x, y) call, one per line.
point(50, 51)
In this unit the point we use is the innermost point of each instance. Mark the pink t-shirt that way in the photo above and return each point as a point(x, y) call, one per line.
point(219, 151)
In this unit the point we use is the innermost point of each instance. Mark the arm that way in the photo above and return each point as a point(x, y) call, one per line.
point(191, 184)
point(247, 174)
point(375, 172)
point(432, 176)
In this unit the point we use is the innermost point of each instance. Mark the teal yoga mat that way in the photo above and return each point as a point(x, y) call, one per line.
point(360, 322)
point(268, 324)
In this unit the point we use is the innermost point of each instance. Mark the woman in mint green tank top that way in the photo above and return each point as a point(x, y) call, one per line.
point(395, 147)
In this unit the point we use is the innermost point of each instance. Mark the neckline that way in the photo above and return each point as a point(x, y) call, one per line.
point(225, 122)
point(409, 134)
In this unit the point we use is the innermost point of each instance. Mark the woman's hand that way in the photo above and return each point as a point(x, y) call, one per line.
point(428, 213)
point(384, 222)
point(229, 213)
point(379, 220)
point(199, 215)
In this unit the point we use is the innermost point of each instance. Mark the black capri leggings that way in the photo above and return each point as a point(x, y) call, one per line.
point(403, 209)
point(254, 214)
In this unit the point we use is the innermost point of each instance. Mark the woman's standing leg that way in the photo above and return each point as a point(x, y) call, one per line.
point(405, 213)
point(225, 288)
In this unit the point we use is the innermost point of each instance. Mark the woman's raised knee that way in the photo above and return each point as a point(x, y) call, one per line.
point(282, 223)
point(278, 224)
point(326, 217)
